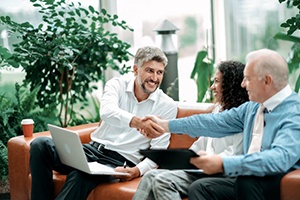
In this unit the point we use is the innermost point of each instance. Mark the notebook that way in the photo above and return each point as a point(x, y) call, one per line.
point(70, 152)
point(171, 158)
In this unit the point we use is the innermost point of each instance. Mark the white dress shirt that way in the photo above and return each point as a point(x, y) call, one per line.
point(118, 106)
point(226, 146)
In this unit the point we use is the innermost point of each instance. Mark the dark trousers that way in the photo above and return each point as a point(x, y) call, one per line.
point(240, 188)
point(44, 159)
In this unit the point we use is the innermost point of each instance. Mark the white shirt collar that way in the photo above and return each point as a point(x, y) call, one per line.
point(279, 97)
point(130, 88)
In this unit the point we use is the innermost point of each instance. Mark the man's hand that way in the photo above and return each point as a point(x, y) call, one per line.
point(134, 172)
point(151, 128)
point(162, 124)
point(147, 127)
point(210, 164)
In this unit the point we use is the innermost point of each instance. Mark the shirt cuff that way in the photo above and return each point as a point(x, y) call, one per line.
point(146, 165)
point(232, 165)
point(126, 119)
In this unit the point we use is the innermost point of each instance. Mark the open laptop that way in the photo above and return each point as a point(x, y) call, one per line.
point(70, 151)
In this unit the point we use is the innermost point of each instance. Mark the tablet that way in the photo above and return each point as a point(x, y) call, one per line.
point(171, 158)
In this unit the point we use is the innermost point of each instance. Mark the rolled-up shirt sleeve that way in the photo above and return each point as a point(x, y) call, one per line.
point(110, 110)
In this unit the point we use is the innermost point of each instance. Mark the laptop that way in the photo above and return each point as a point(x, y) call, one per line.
point(70, 152)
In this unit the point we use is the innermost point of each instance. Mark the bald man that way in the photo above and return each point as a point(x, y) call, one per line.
point(255, 174)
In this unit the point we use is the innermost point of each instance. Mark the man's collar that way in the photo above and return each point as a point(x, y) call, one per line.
point(279, 97)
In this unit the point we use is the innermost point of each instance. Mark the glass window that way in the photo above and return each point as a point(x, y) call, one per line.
point(239, 26)
point(251, 25)
point(190, 16)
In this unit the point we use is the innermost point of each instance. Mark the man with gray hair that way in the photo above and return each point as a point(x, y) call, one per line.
point(116, 141)
point(270, 123)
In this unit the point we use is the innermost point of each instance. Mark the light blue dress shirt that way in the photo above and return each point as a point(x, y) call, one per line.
point(281, 140)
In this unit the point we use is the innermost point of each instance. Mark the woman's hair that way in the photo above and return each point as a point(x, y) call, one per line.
point(233, 94)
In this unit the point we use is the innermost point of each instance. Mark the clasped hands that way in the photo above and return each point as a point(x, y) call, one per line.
point(153, 126)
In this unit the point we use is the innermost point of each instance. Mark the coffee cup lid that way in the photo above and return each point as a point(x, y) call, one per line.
point(27, 121)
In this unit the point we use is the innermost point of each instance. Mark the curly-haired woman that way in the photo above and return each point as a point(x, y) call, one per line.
point(228, 93)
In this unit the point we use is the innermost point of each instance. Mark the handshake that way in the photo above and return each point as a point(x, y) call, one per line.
point(150, 126)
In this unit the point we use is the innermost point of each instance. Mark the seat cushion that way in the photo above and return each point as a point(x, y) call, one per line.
point(113, 190)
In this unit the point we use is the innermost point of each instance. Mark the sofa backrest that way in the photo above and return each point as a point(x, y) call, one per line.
point(185, 110)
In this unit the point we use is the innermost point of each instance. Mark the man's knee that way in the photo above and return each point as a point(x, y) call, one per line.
point(160, 181)
point(39, 144)
point(195, 188)
point(202, 189)
point(150, 174)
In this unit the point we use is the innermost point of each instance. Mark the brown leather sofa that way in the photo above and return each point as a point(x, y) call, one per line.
point(20, 178)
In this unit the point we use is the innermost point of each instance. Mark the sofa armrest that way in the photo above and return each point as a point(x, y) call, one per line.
point(290, 184)
point(18, 158)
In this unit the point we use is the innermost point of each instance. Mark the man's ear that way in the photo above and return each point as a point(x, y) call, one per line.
point(135, 70)
point(268, 79)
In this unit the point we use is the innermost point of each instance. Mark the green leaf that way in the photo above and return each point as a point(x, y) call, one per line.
point(199, 58)
point(84, 10)
point(4, 53)
point(26, 25)
point(91, 8)
point(103, 11)
point(292, 30)
point(40, 26)
point(297, 86)
point(37, 5)
point(78, 12)
point(295, 3)
point(13, 63)
point(285, 25)
point(115, 17)
point(290, 38)
point(61, 13)
point(291, 21)
point(7, 18)
point(93, 25)
point(71, 13)
point(84, 21)
point(49, 2)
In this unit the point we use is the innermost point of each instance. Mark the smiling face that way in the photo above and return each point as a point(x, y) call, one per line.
point(148, 78)
point(217, 86)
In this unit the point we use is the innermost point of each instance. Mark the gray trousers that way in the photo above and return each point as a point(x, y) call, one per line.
point(177, 184)
point(165, 184)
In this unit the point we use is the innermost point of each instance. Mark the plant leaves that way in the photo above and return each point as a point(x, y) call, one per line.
point(91, 8)
point(297, 85)
point(290, 38)
point(202, 73)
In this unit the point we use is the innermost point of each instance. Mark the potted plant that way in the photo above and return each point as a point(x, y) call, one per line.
point(65, 53)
